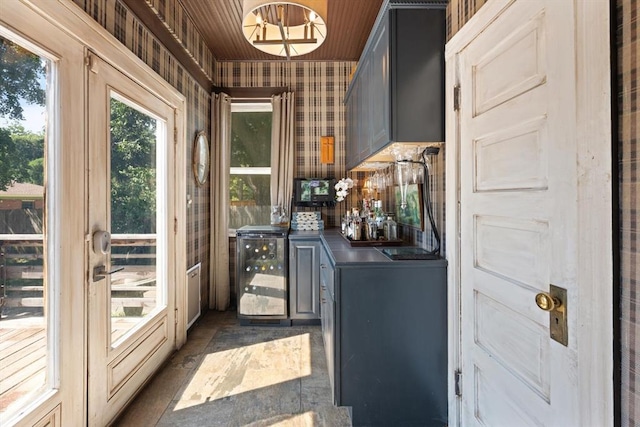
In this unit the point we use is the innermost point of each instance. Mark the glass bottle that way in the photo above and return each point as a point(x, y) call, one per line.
point(390, 229)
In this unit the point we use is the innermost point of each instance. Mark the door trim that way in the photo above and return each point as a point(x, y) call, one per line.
point(595, 243)
point(65, 14)
point(81, 28)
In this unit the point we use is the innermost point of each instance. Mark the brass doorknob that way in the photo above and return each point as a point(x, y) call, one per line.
point(546, 302)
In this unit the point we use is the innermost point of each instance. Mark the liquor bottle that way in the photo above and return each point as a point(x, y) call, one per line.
point(390, 229)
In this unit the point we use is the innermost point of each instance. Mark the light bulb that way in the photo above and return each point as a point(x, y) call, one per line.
point(312, 16)
point(258, 19)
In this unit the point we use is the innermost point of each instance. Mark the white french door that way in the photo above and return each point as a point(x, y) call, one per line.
point(532, 182)
point(131, 298)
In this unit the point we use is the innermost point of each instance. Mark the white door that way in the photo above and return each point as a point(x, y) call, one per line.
point(131, 297)
point(520, 222)
point(42, 237)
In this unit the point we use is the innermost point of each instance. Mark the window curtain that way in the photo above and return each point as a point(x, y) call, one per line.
point(219, 293)
point(282, 147)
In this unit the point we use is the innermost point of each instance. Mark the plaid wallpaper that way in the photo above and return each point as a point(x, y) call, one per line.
point(121, 22)
point(628, 48)
point(320, 88)
point(459, 12)
point(628, 43)
point(181, 26)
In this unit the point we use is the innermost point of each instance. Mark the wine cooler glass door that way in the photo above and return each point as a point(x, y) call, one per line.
point(262, 277)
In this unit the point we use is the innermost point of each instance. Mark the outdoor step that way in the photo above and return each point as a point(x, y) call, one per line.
point(34, 288)
point(23, 302)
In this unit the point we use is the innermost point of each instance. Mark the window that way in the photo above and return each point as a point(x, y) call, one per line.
point(26, 355)
point(28, 204)
point(250, 171)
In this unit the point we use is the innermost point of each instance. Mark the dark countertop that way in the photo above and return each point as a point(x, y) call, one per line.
point(339, 248)
point(342, 253)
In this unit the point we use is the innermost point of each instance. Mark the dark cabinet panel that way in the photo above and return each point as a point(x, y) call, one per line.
point(397, 93)
point(417, 77)
point(385, 332)
point(304, 278)
point(364, 109)
point(379, 78)
point(353, 114)
point(392, 344)
point(327, 313)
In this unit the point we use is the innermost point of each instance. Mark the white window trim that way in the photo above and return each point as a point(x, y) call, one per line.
point(249, 170)
point(251, 107)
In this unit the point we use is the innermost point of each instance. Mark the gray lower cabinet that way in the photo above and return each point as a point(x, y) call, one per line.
point(327, 311)
point(304, 278)
point(385, 332)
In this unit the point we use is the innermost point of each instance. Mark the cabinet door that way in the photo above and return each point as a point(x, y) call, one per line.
point(379, 89)
point(364, 122)
point(352, 128)
point(417, 80)
point(304, 275)
point(327, 277)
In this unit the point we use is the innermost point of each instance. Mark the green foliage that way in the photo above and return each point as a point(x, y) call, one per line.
point(251, 147)
point(21, 156)
point(251, 139)
point(20, 71)
point(20, 79)
point(35, 171)
point(7, 154)
point(133, 170)
point(28, 164)
point(251, 187)
point(133, 149)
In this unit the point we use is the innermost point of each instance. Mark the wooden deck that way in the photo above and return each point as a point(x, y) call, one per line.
point(23, 338)
point(23, 358)
point(23, 355)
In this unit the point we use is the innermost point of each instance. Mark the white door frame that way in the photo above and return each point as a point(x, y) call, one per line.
point(67, 406)
point(595, 243)
point(64, 222)
point(70, 17)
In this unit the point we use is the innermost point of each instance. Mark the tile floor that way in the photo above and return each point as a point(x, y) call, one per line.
point(231, 375)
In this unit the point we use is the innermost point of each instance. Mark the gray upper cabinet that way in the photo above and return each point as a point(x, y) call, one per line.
point(379, 83)
point(397, 92)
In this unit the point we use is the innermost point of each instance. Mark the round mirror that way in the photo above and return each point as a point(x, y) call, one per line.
point(201, 158)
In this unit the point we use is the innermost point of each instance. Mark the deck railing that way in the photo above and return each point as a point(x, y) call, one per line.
point(22, 274)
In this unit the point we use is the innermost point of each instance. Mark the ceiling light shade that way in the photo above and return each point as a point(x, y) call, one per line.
point(285, 28)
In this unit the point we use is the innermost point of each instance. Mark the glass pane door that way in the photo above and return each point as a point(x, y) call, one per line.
point(131, 314)
point(25, 289)
point(134, 138)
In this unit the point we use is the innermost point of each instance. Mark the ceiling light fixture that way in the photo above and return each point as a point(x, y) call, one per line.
point(285, 28)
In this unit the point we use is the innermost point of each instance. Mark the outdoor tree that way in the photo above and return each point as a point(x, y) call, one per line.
point(28, 163)
point(7, 154)
point(133, 170)
point(21, 73)
point(251, 146)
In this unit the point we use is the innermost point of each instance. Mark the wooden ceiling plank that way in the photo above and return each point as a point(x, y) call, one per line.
point(349, 23)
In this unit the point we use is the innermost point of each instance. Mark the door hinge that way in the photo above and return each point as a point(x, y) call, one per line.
point(175, 135)
point(90, 62)
point(456, 98)
point(458, 386)
point(175, 225)
point(176, 317)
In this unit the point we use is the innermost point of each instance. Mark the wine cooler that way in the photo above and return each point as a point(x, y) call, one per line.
point(261, 260)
